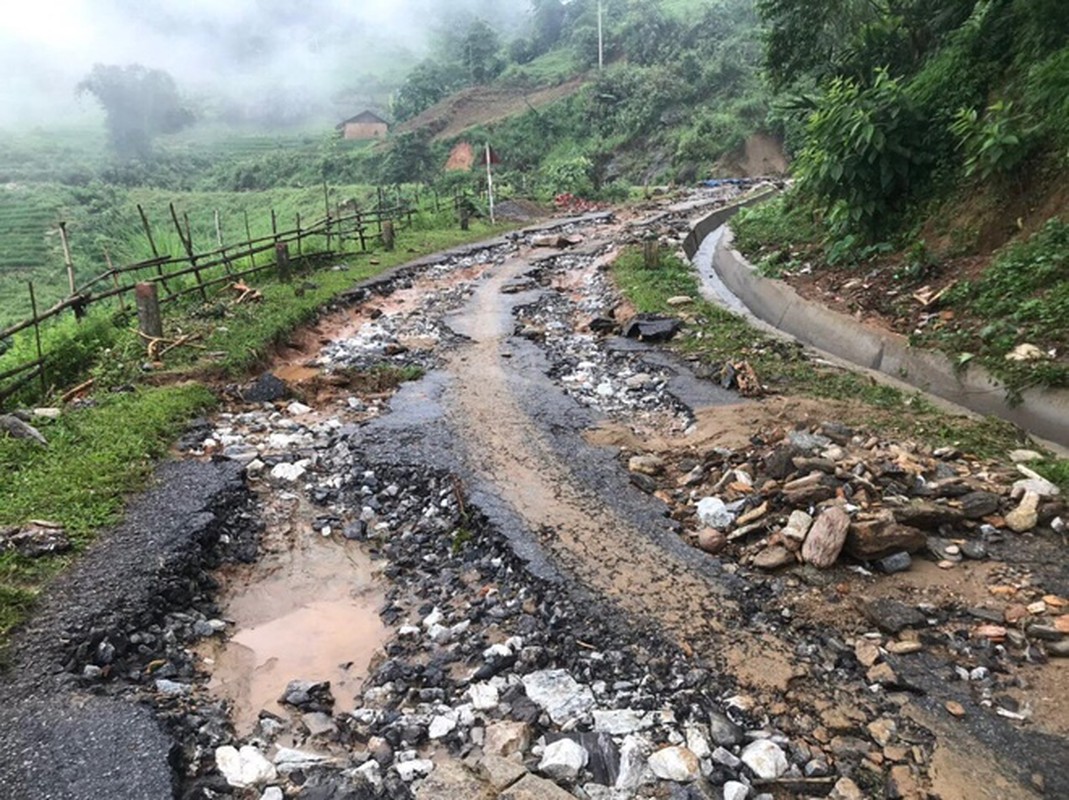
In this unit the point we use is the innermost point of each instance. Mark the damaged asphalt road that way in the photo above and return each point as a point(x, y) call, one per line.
point(551, 629)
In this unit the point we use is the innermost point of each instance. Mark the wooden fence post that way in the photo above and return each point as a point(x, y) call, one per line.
point(187, 241)
point(67, 256)
point(651, 254)
point(300, 247)
point(37, 337)
point(149, 321)
point(248, 238)
point(360, 231)
point(387, 236)
point(282, 262)
point(326, 204)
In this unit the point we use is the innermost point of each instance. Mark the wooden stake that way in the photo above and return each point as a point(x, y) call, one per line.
point(218, 229)
point(149, 320)
point(387, 236)
point(37, 337)
point(188, 242)
point(248, 238)
point(282, 262)
point(274, 225)
point(300, 247)
point(152, 245)
point(326, 205)
point(67, 255)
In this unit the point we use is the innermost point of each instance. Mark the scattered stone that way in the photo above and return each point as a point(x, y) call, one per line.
point(308, 696)
point(723, 731)
point(892, 616)
point(680, 300)
point(733, 790)
point(904, 648)
point(714, 513)
point(289, 473)
point(826, 538)
point(646, 465)
point(896, 562)
point(621, 722)
point(531, 787)
point(866, 652)
point(451, 780)
point(563, 760)
point(265, 389)
point(975, 505)
point(1025, 517)
point(711, 540)
point(846, 789)
point(36, 539)
point(798, 525)
point(506, 738)
point(408, 771)
point(774, 557)
point(765, 758)
point(881, 535)
point(955, 708)
point(244, 768)
point(883, 731)
point(442, 725)
point(677, 764)
point(558, 694)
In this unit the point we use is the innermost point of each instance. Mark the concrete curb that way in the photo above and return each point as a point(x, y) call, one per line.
point(1042, 412)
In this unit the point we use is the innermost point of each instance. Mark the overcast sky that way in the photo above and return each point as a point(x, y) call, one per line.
point(242, 48)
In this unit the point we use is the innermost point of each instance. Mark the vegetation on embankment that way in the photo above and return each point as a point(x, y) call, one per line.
point(719, 338)
point(95, 457)
point(932, 150)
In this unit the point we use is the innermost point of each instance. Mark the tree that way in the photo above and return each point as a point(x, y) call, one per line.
point(547, 20)
point(480, 50)
point(140, 104)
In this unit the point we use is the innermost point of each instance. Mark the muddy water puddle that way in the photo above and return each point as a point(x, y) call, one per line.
point(310, 613)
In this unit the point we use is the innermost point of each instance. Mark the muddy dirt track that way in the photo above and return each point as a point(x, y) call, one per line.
point(504, 609)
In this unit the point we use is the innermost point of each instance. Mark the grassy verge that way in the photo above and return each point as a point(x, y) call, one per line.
point(716, 336)
point(99, 454)
point(94, 458)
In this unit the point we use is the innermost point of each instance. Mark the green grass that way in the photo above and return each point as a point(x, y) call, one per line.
point(94, 458)
point(1023, 297)
point(716, 336)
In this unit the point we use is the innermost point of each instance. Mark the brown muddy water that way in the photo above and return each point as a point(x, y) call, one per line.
point(309, 612)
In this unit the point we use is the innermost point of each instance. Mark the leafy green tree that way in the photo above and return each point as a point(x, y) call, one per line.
point(425, 85)
point(547, 22)
point(480, 52)
point(411, 160)
point(140, 104)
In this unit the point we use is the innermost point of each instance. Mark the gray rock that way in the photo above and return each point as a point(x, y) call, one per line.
point(308, 695)
point(633, 769)
point(265, 389)
point(723, 731)
point(979, 504)
point(896, 562)
point(408, 771)
point(726, 758)
point(892, 616)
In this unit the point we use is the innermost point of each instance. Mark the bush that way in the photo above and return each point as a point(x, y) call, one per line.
point(863, 155)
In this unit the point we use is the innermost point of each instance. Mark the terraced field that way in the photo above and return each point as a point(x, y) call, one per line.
point(29, 248)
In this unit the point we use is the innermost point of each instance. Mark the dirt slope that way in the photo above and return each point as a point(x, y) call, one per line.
point(482, 105)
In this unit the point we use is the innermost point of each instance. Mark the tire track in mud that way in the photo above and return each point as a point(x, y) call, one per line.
point(606, 553)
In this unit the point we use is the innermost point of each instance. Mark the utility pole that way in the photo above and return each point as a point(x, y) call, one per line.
point(601, 41)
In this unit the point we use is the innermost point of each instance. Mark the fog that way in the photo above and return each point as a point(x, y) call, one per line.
point(257, 61)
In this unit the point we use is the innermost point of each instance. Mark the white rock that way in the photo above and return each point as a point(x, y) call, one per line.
point(272, 793)
point(724, 756)
point(633, 766)
point(371, 772)
point(558, 694)
point(713, 513)
point(244, 768)
point(289, 473)
point(432, 619)
point(408, 771)
point(620, 722)
point(442, 725)
point(733, 790)
point(605, 389)
point(296, 409)
point(698, 740)
point(765, 758)
point(676, 764)
point(563, 760)
point(483, 696)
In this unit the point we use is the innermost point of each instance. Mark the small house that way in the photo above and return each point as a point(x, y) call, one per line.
point(366, 125)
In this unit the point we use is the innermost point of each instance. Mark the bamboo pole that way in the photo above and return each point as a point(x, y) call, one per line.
point(114, 278)
point(152, 244)
point(37, 339)
point(326, 204)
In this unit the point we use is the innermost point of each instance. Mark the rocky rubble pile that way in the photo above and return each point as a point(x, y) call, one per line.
point(615, 381)
point(828, 495)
